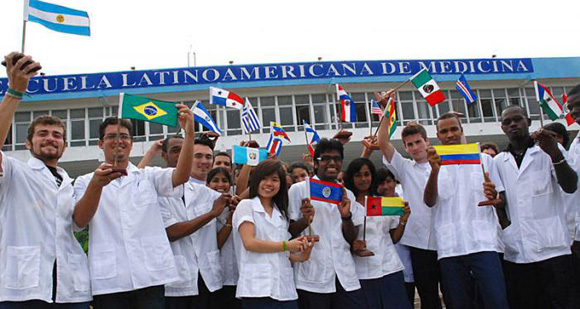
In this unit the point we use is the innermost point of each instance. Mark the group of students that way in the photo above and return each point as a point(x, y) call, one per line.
point(187, 236)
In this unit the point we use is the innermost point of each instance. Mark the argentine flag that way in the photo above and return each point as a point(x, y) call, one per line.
point(201, 115)
point(57, 18)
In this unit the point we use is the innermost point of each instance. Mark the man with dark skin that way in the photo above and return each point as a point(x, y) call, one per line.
point(328, 279)
point(537, 261)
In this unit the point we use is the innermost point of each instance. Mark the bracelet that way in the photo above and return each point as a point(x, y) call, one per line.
point(228, 225)
point(559, 162)
point(402, 223)
point(13, 93)
point(347, 218)
point(284, 245)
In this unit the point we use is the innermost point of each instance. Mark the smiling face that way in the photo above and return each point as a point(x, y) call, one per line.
point(299, 174)
point(515, 124)
point(449, 131)
point(387, 187)
point(47, 143)
point(416, 146)
point(362, 179)
point(109, 144)
point(328, 165)
point(223, 161)
point(202, 161)
point(269, 186)
point(220, 183)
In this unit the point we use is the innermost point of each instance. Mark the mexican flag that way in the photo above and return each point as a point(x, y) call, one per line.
point(428, 87)
point(141, 108)
point(547, 101)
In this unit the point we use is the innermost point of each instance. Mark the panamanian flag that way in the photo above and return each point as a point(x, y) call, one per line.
point(225, 98)
point(347, 106)
point(463, 87)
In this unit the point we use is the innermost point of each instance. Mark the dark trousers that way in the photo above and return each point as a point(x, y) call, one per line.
point(387, 292)
point(341, 299)
point(427, 276)
point(147, 298)
point(226, 298)
point(576, 266)
point(410, 288)
point(268, 303)
point(39, 304)
point(204, 300)
point(483, 268)
point(544, 284)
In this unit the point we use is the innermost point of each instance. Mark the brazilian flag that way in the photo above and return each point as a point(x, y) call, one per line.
point(141, 108)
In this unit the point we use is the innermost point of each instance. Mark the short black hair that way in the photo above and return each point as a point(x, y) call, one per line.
point(298, 164)
point(383, 174)
point(114, 121)
point(166, 142)
point(203, 141)
point(447, 116)
point(559, 129)
point(326, 144)
point(223, 154)
point(514, 106)
point(353, 168)
point(489, 145)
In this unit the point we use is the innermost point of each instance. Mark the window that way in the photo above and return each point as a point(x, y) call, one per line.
point(302, 110)
point(8, 142)
point(95, 120)
point(424, 110)
point(286, 113)
point(268, 112)
point(322, 109)
point(485, 99)
point(77, 127)
point(501, 102)
point(138, 130)
point(406, 100)
point(458, 104)
point(533, 105)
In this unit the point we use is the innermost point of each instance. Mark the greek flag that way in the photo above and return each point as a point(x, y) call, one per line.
point(201, 115)
point(250, 121)
point(57, 18)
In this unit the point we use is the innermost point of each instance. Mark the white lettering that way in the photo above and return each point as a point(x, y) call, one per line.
point(46, 86)
point(495, 69)
point(161, 76)
point(84, 83)
point(392, 68)
point(145, 78)
point(480, 66)
point(460, 66)
point(302, 70)
point(194, 77)
point(444, 67)
point(216, 75)
point(104, 81)
point(332, 70)
point(124, 77)
point(311, 70)
point(521, 67)
point(287, 70)
point(431, 67)
point(366, 70)
point(270, 72)
point(507, 65)
point(471, 66)
point(247, 75)
point(346, 67)
point(30, 88)
point(404, 67)
point(69, 83)
point(175, 77)
point(229, 73)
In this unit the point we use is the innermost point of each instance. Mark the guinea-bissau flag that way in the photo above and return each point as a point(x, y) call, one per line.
point(141, 108)
point(384, 206)
point(459, 154)
point(428, 87)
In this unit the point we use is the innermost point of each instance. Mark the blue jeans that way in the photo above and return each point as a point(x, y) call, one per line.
point(485, 269)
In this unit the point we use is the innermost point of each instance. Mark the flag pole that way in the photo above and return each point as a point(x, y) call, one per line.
point(371, 117)
point(23, 35)
point(306, 138)
point(118, 141)
point(386, 107)
point(308, 192)
point(365, 221)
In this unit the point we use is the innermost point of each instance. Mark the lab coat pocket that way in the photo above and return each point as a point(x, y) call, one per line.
point(550, 234)
point(103, 262)
point(144, 194)
point(22, 267)
point(315, 270)
point(215, 267)
point(445, 186)
point(287, 287)
point(257, 279)
point(80, 271)
point(445, 237)
point(185, 273)
point(158, 254)
point(540, 184)
point(484, 232)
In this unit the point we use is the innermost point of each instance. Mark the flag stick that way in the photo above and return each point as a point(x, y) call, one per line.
point(250, 135)
point(365, 229)
point(371, 117)
point(306, 138)
point(118, 141)
point(386, 107)
point(23, 35)
point(308, 192)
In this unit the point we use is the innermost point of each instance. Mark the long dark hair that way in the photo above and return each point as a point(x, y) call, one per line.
point(266, 168)
point(355, 167)
point(219, 170)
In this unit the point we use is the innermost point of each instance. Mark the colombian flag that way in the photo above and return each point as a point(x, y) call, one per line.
point(459, 154)
point(384, 206)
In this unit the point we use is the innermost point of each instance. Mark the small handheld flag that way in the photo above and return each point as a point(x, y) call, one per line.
point(324, 191)
point(225, 98)
point(201, 115)
point(391, 114)
point(249, 156)
point(348, 108)
point(141, 108)
point(459, 154)
point(384, 206)
point(250, 121)
point(376, 109)
point(547, 101)
point(569, 120)
point(463, 87)
point(310, 141)
point(57, 18)
point(274, 144)
point(428, 87)
point(278, 131)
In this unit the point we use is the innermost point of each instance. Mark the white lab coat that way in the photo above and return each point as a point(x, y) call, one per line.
point(36, 227)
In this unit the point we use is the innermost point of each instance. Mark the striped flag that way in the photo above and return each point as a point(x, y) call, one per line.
point(250, 121)
point(348, 108)
point(201, 115)
point(547, 101)
point(376, 109)
point(428, 87)
point(463, 87)
point(225, 98)
point(323, 191)
point(311, 141)
point(384, 206)
point(391, 114)
point(278, 131)
point(248, 156)
point(459, 154)
point(569, 120)
point(274, 144)
point(57, 18)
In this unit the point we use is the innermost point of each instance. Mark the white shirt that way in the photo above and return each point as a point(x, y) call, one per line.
point(386, 260)
point(198, 252)
point(128, 246)
point(419, 232)
point(36, 227)
point(534, 203)
point(330, 256)
point(574, 206)
point(263, 274)
point(228, 254)
point(462, 227)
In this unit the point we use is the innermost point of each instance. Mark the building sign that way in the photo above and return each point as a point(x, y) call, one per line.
point(268, 72)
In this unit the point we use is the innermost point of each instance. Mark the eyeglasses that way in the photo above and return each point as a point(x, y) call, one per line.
point(122, 136)
point(327, 159)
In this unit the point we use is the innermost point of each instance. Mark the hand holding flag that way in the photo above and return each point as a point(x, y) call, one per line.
point(141, 108)
point(458, 154)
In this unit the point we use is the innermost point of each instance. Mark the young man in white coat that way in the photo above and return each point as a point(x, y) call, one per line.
point(129, 253)
point(41, 262)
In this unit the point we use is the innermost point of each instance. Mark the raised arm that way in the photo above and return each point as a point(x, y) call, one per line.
point(18, 76)
point(185, 161)
point(567, 177)
point(385, 145)
point(431, 191)
point(154, 151)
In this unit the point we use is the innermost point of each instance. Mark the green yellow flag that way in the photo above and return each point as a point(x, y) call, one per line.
point(141, 108)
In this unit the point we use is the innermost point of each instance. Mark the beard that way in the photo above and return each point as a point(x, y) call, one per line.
point(47, 155)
